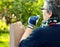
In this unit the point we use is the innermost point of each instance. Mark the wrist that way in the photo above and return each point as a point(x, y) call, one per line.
point(31, 26)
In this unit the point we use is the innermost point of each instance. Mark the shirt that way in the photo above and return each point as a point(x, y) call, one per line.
point(48, 36)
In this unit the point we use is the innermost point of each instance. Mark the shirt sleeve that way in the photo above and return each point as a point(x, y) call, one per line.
point(34, 40)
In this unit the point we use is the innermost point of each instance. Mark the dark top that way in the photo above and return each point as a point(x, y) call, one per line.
point(48, 36)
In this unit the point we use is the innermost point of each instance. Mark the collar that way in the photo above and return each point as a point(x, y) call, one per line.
point(51, 22)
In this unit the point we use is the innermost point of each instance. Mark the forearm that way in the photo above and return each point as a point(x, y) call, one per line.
point(27, 32)
point(16, 32)
point(32, 21)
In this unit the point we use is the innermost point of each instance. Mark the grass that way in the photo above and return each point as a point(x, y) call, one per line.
point(5, 40)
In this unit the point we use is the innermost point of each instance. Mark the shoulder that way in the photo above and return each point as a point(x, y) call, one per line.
point(41, 29)
point(46, 30)
point(38, 31)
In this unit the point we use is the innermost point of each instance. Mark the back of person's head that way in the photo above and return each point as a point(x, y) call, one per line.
point(54, 6)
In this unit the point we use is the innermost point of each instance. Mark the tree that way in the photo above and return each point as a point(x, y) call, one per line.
point(22, 9)
point(5, 6)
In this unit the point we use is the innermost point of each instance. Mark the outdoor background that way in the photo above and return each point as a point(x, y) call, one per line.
point(12, 11)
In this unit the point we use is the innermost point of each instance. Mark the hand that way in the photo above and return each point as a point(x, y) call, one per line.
point(32, 21)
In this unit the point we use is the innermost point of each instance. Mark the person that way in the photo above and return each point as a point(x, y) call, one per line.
point(48, 34)
point(17, 30)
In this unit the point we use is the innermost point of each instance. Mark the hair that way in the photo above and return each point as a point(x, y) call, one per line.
point(54, 6)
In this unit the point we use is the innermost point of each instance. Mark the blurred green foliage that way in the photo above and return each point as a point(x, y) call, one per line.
point(5, 40)
point(20, 10)
point(4, 34)
point(3, 25)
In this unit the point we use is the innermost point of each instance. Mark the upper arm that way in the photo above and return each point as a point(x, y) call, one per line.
point(33, 40)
